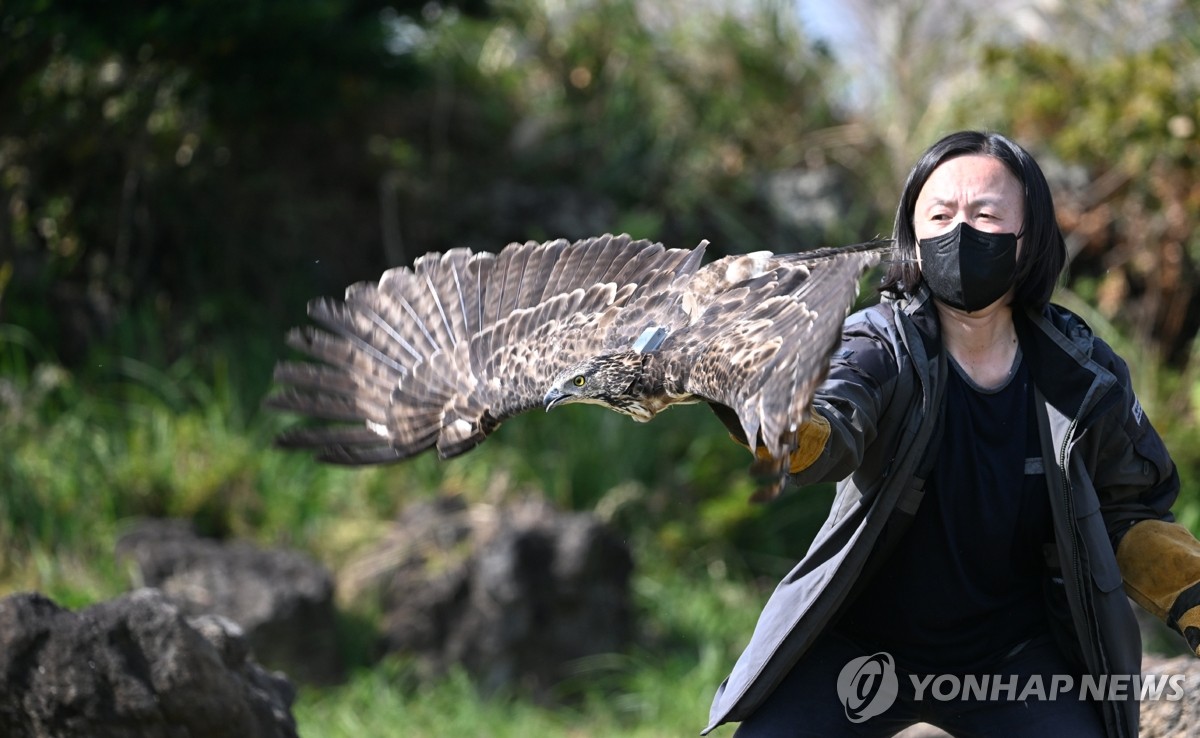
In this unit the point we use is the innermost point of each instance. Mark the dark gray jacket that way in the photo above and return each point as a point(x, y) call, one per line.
point(1105, 465)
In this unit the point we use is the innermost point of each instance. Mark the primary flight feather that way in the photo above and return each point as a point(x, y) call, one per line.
point(440, 354)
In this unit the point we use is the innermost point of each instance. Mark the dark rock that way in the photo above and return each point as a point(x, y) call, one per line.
point(515, 594)
point(281, 599)
point(1165, 717)
point(132, 666)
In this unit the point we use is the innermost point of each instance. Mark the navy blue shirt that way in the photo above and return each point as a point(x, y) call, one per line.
point(962, 587)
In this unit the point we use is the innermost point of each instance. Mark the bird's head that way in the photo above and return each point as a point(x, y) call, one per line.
point(605, 380)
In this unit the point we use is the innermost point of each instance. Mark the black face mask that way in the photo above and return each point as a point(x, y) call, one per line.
point(967, 268)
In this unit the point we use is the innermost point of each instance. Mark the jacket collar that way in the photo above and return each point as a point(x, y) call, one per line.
point(921, 312)
point(1058, 345)
point(1061, 349)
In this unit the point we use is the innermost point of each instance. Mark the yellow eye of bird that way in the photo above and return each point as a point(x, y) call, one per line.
point(580, 381)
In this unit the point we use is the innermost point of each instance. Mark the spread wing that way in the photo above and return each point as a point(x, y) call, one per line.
point(762, 333)
point(441, 353)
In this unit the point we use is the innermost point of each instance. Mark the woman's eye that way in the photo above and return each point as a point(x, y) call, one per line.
point(579, 381)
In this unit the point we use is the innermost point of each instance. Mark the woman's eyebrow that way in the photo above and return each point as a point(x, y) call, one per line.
point(992, 200)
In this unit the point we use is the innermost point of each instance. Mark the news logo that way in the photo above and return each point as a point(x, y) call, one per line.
point(867, 686)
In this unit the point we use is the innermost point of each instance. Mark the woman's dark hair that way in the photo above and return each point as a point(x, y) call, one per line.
point(1043, 253)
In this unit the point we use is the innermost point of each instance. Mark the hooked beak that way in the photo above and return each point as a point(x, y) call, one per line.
point(553, 398)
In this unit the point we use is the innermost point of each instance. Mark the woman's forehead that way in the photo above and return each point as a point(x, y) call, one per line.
point(975, 177)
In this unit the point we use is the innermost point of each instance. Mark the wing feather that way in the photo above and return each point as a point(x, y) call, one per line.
point(603, 254)
point(545, 277)
point(515, 270)
point(574, 269)
point(762, 345)
point(400, 290)
point(360, 336)
point(383, 313)
point(440, 353)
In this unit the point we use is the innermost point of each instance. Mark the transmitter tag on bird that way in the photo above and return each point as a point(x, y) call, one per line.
point(650, 339)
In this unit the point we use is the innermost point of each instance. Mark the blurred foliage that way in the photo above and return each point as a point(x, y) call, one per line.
point(673, 118)
point(177, 179)
point(180, 158)
point(216, 165)
point(1124, 127)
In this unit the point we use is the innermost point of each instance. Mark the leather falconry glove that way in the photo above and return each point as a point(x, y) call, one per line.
point(1160, 563)
point(813, 434)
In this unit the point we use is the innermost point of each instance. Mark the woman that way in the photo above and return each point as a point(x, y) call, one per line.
point(996, 466)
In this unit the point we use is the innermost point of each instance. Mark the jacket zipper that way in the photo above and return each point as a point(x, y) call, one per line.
point(1076, 563)
point(1068, 503)
point(1069, 509)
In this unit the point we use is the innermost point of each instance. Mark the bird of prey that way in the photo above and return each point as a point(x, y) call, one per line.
point(440, 354)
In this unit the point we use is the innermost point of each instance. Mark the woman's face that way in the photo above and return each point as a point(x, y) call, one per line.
point(976, 189)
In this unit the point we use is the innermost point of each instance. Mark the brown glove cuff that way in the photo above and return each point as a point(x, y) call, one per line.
point(1184, 616)
point(1160, 563)
point(814, 432)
